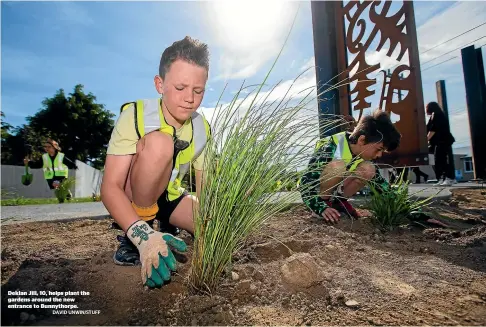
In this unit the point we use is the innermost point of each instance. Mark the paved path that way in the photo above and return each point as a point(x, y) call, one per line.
point(96, 210)
point(48, 212)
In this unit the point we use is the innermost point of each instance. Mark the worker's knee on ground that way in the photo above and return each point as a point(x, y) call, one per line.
point(156, 146)
point(146, 213)
point(335, 168)
point(366, 170)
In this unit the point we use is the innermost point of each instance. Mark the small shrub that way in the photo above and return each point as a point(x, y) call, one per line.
point(393, 207)
point(64, 190)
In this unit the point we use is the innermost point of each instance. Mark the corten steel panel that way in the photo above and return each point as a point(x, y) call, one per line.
point(399, 30)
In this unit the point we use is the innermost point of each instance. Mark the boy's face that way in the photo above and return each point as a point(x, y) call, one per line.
point(370, 151)
point(183, 88)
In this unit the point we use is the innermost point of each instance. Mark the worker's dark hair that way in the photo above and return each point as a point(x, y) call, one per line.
point(187, 49)
point(434, 108)
point(376, 128)
point(54, 144)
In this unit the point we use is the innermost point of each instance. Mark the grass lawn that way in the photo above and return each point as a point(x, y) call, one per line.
point(24, 201)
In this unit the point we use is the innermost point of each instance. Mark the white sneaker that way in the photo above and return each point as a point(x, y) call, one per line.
point(439, 182)
point(447, 182)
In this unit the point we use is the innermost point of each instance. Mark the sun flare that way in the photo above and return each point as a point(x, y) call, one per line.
point(245, 24)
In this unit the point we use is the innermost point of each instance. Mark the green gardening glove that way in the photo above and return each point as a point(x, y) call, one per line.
point(155, 255)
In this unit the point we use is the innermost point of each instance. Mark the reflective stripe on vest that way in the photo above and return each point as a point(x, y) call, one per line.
point(149, 118)
point(343, 151)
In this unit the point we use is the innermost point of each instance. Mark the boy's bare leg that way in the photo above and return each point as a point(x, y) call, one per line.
point(147, 179)
point(151, 169)
point(183, 215)
point(363, 173)
point(332, 174)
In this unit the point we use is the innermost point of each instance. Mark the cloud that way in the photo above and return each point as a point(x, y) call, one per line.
point(451, 22)
point(425, 10)
point(460, 127)
point(295, 89)
point(455, 20)
point(292, 64)
point(249, 34)
point(311, 62)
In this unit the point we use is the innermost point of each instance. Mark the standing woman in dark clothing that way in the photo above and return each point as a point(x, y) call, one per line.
point(440, 140)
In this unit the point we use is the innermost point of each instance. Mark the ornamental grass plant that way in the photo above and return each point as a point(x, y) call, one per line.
point(256, 141)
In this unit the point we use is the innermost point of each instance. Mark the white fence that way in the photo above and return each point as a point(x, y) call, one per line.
point(88, 181)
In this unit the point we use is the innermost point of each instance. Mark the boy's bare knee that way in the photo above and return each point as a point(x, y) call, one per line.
point(366, 170)
point(157, 147)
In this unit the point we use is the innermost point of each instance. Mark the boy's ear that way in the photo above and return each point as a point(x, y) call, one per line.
point(159, 84)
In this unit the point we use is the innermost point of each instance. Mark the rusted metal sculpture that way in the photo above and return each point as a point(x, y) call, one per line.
point(354, 38)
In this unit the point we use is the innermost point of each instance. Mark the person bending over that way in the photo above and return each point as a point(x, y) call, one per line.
point(341, 165)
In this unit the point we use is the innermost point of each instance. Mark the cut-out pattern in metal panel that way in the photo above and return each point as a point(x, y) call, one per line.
point(395, 31)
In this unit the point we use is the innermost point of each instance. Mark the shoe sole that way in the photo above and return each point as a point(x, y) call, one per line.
point(119, 263)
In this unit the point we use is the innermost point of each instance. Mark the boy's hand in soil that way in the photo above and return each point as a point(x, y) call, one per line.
point(331, 215)
point(155, 255)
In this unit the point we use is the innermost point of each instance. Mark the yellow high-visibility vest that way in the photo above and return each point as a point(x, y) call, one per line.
point(149, 118)
point(59, 168)
point(343, 151)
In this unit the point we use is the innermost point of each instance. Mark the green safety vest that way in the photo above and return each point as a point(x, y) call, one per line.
point(149, 118)
point(59, 168)
point(343, 152)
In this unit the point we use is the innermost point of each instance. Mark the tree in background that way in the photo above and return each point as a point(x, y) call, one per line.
point(6, 128)
point(80, 125)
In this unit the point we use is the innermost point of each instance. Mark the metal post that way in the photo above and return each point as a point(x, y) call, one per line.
point(472, 65)
point(324, 25)
point(442, 100)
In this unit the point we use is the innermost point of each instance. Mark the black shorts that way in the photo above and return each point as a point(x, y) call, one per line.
point(166, 208)
point(52, 180)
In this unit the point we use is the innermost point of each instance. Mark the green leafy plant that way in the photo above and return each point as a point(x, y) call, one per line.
point(394, 206)
point(64, 189)
point(96, 197)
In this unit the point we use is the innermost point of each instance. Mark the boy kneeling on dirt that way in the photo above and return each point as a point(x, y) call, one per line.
point(341, 166)
point(151, 147)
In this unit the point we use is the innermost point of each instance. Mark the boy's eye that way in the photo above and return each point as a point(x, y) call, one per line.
point(179, 88)
point(198, 92)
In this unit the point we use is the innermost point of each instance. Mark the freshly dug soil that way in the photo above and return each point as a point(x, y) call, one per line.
point(296, 271)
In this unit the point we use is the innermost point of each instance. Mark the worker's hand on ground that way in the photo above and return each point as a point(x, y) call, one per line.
point(155, 255)
point(331, 215)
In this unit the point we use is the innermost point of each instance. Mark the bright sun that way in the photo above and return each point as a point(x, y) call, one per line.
point(243, 24)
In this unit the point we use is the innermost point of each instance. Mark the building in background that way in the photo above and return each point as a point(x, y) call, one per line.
point(463, 163)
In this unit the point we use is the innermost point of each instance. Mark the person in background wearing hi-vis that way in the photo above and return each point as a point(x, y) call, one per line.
point(341, 165)
point(52, 163)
